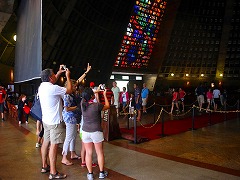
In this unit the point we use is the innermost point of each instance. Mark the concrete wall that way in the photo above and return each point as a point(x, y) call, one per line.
point(5, 74)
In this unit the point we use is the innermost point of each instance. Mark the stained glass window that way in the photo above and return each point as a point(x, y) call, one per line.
point(141, 34)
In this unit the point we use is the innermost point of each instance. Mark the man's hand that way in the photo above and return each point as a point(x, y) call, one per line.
point(88, 68)
point(61, 69)
point(67, 73)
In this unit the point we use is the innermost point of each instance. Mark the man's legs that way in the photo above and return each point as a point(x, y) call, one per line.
point(54, 134)
point(144, 109)
point(44, 153)
point(38, 126)
point(139, 115)
point(183, 106)
point(53, 158)
point(2, 110)
point(172, 107)
point(144, 103)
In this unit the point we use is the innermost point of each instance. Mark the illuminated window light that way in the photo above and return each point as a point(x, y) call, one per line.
point(172, 74)
point(221, 75)
point(139, 78)
point(187, 75)
point(112, 77)
point(125, 77)
point(11, 75)
point(202, 75)
point(143, 27)
point(15, 37)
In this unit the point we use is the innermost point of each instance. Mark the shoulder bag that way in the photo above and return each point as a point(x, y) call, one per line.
point(36, 111)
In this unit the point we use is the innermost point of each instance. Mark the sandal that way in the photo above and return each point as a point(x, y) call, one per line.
point(57, 176)
point(76, 157)
point(46, 169)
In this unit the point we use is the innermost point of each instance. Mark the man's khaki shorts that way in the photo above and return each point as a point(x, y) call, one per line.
point(144, 101)
point(54, 133)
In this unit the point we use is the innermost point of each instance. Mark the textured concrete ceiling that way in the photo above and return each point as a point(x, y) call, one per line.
point(75, 32)
point(6, 45)
point(6, 7)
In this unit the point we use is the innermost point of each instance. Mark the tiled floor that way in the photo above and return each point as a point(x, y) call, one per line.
point(207, 153)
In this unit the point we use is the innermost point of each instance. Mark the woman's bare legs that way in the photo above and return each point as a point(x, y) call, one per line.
point(89, 151)
point(100, 155)
point(83, 153)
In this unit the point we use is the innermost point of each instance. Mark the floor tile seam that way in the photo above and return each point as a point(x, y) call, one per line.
point(179, 159)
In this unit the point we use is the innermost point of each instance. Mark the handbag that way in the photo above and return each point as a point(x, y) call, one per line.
point(26, 109)
point(36, 111)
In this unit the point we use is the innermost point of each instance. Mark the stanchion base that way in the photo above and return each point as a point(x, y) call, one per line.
point(192, 129)
point(130, 137)
point(140, 140)
point(162, 135)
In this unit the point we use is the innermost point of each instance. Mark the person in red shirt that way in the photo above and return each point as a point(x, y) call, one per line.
point(109, 95)
point(182, 94)
point(209, 99)
point(175, 100)
point(3, 97)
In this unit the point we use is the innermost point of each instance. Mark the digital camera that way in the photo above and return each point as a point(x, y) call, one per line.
point(102, 86)
point(64, 67)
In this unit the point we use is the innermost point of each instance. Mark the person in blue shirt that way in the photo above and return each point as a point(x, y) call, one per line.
point(144, 95)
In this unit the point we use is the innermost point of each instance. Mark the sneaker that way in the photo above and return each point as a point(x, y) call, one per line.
point(19, 122)
point(103, 174)
point(90, 176)
point(93, 165)
point(38, 145)
point(26, 122)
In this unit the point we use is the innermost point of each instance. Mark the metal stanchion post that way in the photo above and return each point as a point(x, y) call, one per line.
point(154, 113)
point(128, 121)
point(193, 114)
point(209, 120)
point(225, 114)
point(238, 109)
point(162, 123)
point(135, 128)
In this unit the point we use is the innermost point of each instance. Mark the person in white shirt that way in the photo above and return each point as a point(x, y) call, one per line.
point(50, 96)
point(115, 99)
